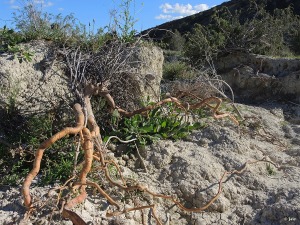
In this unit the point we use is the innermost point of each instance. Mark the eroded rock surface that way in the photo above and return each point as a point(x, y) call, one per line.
point(149, 64)
point(258, 77)
point(190, 170)
point(36, 86)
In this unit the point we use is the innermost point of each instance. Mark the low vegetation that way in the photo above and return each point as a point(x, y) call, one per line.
point(160, 123)
point(9, 43)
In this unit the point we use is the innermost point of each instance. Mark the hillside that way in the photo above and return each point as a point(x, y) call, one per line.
point(93, 131)
point(186, 24)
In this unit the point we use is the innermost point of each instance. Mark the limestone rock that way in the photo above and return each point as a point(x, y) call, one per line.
point(29, 85)
point(258, 77)
point(42, 84)
point(149, 65)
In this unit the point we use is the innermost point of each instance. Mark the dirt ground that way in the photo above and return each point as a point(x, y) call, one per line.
point(267, 192)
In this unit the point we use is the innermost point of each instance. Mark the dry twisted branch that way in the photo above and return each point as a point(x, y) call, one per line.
point(46, 144)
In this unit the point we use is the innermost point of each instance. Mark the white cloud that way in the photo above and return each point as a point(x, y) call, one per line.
point(61, 9)
point(166, 7)
point(176, 11)
point(49, 4)
point(43, 3)
point(167, 17)
point(15, 7)
point(201, 7)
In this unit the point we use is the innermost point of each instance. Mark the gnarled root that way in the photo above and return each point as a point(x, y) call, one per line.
point(90, 137)
point(88, 156)
point(150, 107)
point(46, 144)
point(216, 114)
point(185, 106)
point(73, 217)
point(171, 198)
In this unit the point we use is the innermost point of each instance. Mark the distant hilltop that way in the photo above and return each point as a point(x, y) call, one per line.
point(186, 24)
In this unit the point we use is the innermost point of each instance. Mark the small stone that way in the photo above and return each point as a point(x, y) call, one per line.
point(122, 162)
point(104, 222)
point(203, 142)
point(112, 147)
point(110, 155)
point(125, 157)
point(131, 156)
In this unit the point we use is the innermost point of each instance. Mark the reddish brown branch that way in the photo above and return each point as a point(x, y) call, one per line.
point(117, 213)
point(216, 114)
point(103, 193)
point(73, 217)
point(118, 169)
point(185, 107)
point(77, 200)
point(91, 89)
point(88, 159)
point(175, 201)
point(88, 148)
point(46, 144)
point(150, 107)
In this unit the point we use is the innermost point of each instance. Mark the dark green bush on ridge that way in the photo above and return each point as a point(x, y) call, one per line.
point(265, 33)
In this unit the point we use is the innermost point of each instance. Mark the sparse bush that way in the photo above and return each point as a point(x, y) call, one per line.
point(177, 70)
point(124, 22)
point(17, 152)
point(295, 40)
point(177, 41)
point(34, 23)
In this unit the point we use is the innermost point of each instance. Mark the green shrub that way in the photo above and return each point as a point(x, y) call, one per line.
point(264, 33)
point(22, 136)
point(203, 42)
point(177, 70)
point(9, 43)
point(9, 38)
point(177, 41)
point(160, 123)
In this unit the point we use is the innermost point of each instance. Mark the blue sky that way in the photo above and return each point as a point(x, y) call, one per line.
point(148, 13)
